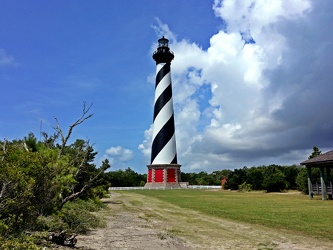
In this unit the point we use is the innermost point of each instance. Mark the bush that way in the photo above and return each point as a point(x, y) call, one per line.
point(302, 181)
point(99, 192)
point(3, 228)
point(77, 215)
point(88, 205)
point(245, 187)
point(17, 244)
point(51, 223)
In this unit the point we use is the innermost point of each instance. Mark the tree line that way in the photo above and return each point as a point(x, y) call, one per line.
point(272, 178)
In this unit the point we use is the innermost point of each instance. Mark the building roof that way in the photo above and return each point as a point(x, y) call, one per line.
point(322, 159)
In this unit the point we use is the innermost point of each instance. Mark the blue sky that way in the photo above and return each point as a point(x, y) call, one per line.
point(252, 80)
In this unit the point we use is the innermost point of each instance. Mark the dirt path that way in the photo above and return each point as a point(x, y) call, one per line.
point(138, 222)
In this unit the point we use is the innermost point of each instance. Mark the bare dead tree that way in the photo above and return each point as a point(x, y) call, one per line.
point(64, 138)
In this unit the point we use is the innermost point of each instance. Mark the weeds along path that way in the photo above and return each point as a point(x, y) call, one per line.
point(138, 222)
point(128, 227)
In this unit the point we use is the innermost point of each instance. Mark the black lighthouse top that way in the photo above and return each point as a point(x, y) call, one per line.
point(163, 53)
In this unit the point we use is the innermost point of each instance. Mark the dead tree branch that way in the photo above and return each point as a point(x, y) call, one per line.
point(64, 138)
point(84, 159)
point(4, 149)
point(25, 146)
point(4, 187)
point(73, 196)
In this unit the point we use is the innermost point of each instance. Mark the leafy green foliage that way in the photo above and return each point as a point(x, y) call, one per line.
point(204, 178)
point(36, 183)
point(273, 178)
point(77, 215)
point(302, 180)
point(255, 177)
point(42, 181)
point(125, 178)
point(17, 244)
point(51, 223)
point(245, 187)
point(315, 152)
point(236, 178)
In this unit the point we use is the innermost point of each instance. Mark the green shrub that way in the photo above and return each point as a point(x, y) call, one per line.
point(79, 217)
point(302, 181)
point(100, 192)
point(17, 244)
point(51, 223)
point(3, 228)
point(75, 216)
point(245, 187)
point(90, 205)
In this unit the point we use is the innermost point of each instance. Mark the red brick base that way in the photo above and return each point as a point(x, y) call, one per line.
point(163, 175)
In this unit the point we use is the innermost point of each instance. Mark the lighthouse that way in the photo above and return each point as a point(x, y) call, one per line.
point(163, 169)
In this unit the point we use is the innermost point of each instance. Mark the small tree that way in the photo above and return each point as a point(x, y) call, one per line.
point(274, 179)
point(302, 180)
point(315, 152)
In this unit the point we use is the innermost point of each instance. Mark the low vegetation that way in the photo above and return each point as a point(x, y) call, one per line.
point(293, 212)
point(48, 185)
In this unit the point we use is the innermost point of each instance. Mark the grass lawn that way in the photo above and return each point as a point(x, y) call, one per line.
point(294, 212)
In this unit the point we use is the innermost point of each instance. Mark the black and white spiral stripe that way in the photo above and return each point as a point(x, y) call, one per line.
point(164, 141)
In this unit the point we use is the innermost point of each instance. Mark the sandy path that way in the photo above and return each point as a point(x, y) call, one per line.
point(138, 222)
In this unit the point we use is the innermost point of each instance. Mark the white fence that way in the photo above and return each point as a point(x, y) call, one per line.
point(164, 188)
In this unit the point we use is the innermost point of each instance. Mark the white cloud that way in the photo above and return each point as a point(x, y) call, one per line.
point(5, 59)
point(145, 146)
point(162, 29)
point(269, 100)
point(256, 16)
point(119, 153)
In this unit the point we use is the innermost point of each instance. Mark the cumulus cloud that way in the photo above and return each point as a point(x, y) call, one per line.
point(119, 153)
point(145, 146)
point(268, 72)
